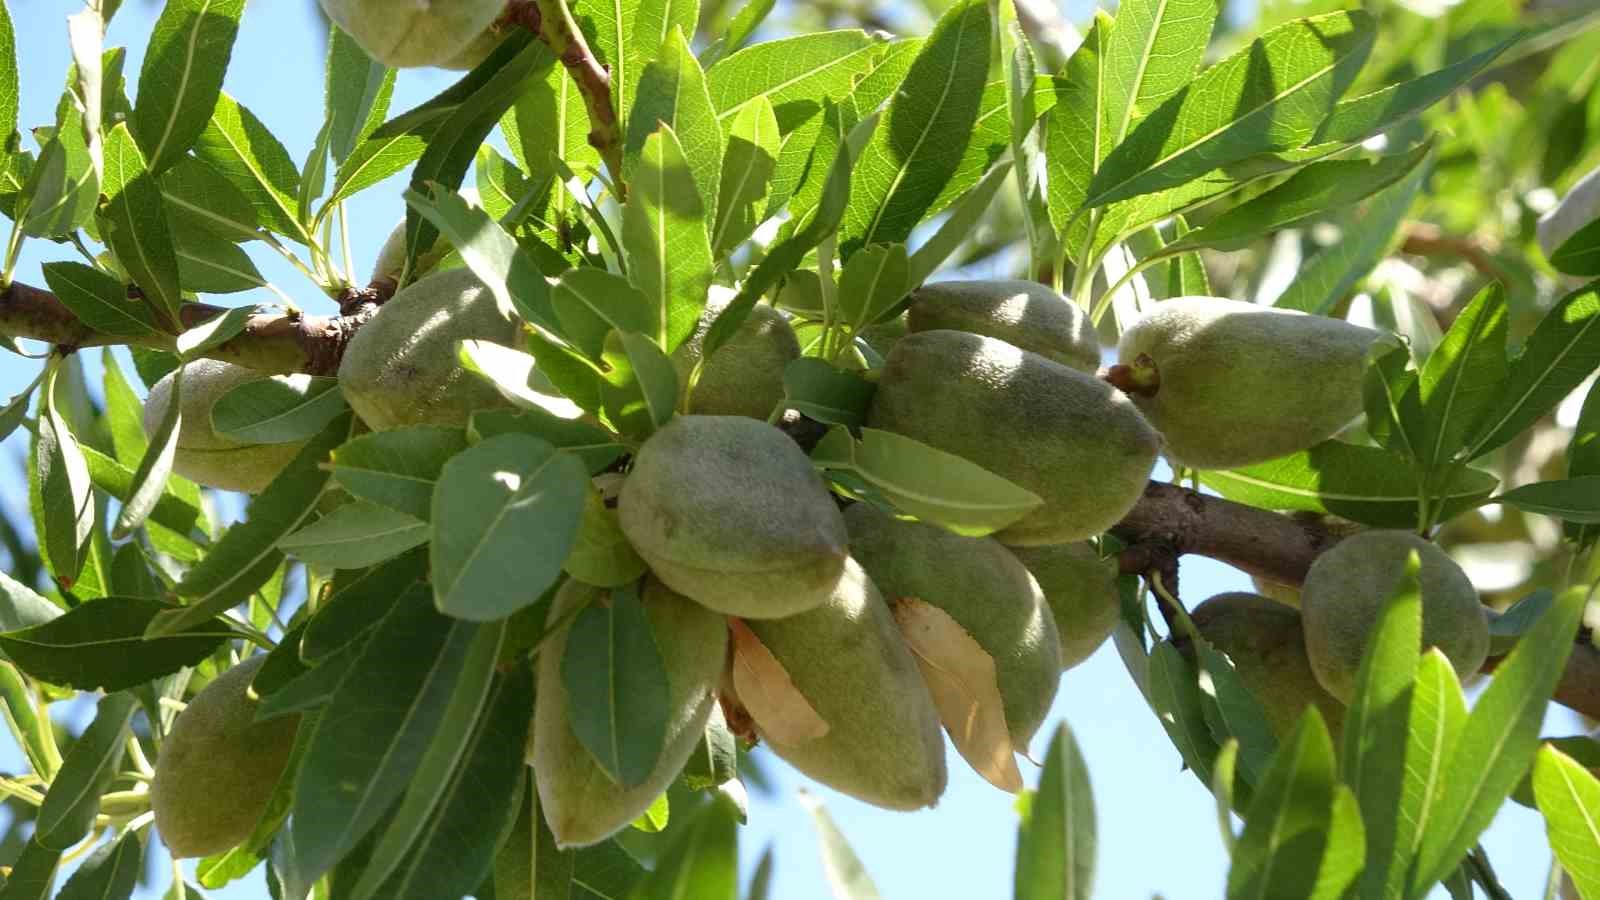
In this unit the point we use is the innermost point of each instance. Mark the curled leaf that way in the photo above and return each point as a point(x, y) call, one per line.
point(961, 676)
point(769, 694)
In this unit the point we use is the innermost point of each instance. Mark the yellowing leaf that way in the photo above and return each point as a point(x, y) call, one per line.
point(769, 694)
point(966, 690)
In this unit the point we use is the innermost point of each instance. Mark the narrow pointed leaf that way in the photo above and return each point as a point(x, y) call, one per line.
point(1056, 842)
point(1155, 48)
point(847, 876)
point(355, 536)
point(617, 681)
point(1286, 833)
point(1569, 797)
point(1464, 374)
point(111, 872)
point(134, 223)
point(283, 409)
point(98, 300)
point(672, 92)
point(664, 238)
point(70, 806)
point(181, 78)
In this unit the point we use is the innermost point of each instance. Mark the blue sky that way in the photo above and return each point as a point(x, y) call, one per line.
point(1157, 825)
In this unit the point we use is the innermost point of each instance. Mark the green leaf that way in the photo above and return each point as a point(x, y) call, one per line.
point(60, 192)
point(590, 303)
point(376, 728)
point(155, 468)
point(1223, 784)
point(937, 487)
point(210, 264)
point(1154, 50)
point(98, 300)
point(1270, 96)
point(1498, 741)
point(672, 94)
point(241, 149)
point(1233, 712)
point(358, 601)
point(847, 877)
point(826, 393)
point(1177, 702)
point(1364, 484)
point(875, 279)
point(397, 468)
point(134, 224)
point(793, 74)
point(33, 874)
point(9, 95)
point(180, 80)
point(957, 228)
point(492, 254)
point(1285, 836)
point(213, 332)
point(111, 872)
point(101, 645)
point(505, 192)
point(1357, 118)
point(16, 410)
point(1308, 194)
point(198, 197)
point(597, 447)
point(910, 158)
point(1056, 841)
point(1328, 277)
point(283, 409)
point(748, 164)
point(515, 375)
point(655, 819)
point(1576, 500)
point(172, 511)
point(1375, 728)
point(641, 385)
point(1579, 254)
point(67, 503)
point(1509, 627)
point(248, 554)
point(739, 29)
point(70, 806)
point(355, 536)
point(1464, 374)
point(1438, 712)
point(357, 91)
point(702, 862)
point(1344, 858)
point(664, 238)
point(715, 759)
point(505, 515)
point(617, 682)
point(1562, 351)
point(441, 839)
point(602, 555)
point(1569, 797)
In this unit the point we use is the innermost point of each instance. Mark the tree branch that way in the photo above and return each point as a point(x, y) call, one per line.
point(552, 21)
point(1167, 523)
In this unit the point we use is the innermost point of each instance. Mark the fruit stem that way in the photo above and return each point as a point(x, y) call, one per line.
point(1142, 377)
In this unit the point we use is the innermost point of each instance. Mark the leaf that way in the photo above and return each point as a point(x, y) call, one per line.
point(60, 191)
point(1233, 712)
point(597, 447)
point(1357, 118)
point(1498, 741)
point(957, 228)
point(180, 80)
point(98, 300)
point(702, 862)
point(872, 283)
point(1569, 798)
point(641, 385)
point(1285, 835)
point(1375, 727)
point(715, 758)
point(198, 197)
point(617, 682)
point(1056, 840)
point(847, 877)
point(505, 516)
point(172, 511)
point(1154, 50)
point(70, 806)
point(492, 254)
point(213, 265)
point(1576, 500)
point(213, 332)
point(590, 303)
point(1364, 484)
point(1267, 97)
point(828, 394)
point(792, 74)
point(101, 645)
point(664, 239)
point(961, 678)
point(1344, 857)
point(397, 468)
point(1308, 194)
point(672, 94)
point(357, 91)
point(1562, 351)
point(937, 487)
point(376, 728)
point(283, 409)
point(134, 224)
point(355, 536)
point(765, 689)
point(748, 165)
point(910, 158)
point(241, 149)
point(8, 76)
point(1464, 374)
point(1223, 782)
point(602, 555)
point(67, 502)
point(357, 602)
point(111, 872)
point(248, 554)
point(1175, 699)
point(30, 724)
point(1328, 277)
point(1579, 254)
point(1509, 627)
